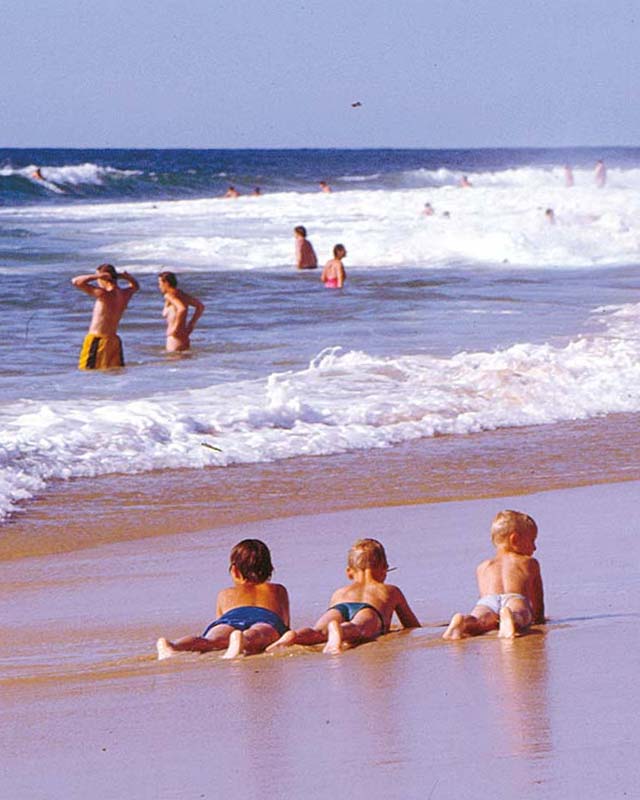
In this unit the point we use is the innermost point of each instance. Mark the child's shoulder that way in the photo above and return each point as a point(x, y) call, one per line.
point(276, 588)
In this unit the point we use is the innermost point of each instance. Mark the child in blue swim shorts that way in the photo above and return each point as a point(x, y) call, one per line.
point(360, 611)
point(250, 615)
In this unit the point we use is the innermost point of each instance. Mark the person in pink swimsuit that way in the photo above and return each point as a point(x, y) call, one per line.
point(333, 274)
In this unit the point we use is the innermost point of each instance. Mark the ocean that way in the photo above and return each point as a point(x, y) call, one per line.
point(481, 317)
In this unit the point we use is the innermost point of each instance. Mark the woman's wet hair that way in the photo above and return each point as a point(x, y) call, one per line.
point(169, 277)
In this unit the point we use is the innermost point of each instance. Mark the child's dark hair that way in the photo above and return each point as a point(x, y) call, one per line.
point(339, 251)
point(252, 559)
point(169, 277)
point(301, 231)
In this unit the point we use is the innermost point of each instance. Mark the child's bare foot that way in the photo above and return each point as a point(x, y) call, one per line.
point(286, 640)
point(236, 645)
point(165, 649)
point(456, 628)
point(507, 624)
point(334, 638)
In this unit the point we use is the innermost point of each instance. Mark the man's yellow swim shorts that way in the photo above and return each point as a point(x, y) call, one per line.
point(101, 352)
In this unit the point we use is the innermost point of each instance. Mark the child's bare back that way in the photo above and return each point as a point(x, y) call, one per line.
point(250, 615)
point(510, 583)
point(360, 611)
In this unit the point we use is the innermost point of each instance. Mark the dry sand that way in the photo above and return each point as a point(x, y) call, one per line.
point(87, 711)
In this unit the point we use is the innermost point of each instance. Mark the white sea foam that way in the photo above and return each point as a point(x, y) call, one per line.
point(69, 175)
point(500, 220)
point(344, 400)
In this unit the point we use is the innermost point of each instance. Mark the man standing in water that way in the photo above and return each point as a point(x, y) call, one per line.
point(176, 311)
point(102, 347)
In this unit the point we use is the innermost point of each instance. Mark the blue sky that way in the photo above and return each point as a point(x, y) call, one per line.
point(243, 73)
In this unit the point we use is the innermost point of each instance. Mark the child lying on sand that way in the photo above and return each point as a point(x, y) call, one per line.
point(360, 611)
point(510, 584)
point(250, 615)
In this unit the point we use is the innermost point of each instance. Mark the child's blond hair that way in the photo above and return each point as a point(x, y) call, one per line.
point(367, 554)
point(507, 522)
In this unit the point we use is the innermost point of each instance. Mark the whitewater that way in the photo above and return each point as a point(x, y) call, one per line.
point(478, 318)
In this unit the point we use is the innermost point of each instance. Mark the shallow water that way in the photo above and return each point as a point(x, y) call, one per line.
point(487, 320)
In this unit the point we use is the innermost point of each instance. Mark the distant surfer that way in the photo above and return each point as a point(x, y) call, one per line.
point(600, 173)
point(37, 174)
point(176, 312)
point(102, 348)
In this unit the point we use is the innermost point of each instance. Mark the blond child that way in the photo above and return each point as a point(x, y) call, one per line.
point(360, 611)
point(510, 583)
point(250, 615)
point(333, 275)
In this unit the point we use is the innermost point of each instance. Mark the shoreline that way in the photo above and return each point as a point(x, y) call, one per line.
point(86, 512)
point(89, 711)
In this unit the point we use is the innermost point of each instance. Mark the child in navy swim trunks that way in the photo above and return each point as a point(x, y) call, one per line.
point(360, 611)
point(250, 615)
point(510, 584)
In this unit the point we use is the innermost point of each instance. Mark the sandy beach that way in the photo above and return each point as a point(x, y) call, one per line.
point(88, 711)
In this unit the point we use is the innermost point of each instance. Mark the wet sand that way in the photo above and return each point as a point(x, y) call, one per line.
point(87, 711)
point(82, 513)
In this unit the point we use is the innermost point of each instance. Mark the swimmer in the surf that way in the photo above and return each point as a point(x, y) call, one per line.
point(465, 183)
point(305, 254)
point(428, 210)
point(600, 173)
point(250, 615)
point(232, 192)
point(333, 275)
point(37, 174)
point(551, 217)
point(324, 187)
point(568, 176)
point(102, 347)
point(360, 611)
point(176, 312)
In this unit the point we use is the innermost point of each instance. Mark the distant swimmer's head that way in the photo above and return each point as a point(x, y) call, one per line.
point(339, 251)
point(506, 523)
point(252, 559)
point(108, 273)
point(169, 278)
point(367, 554)
point(300, 230)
